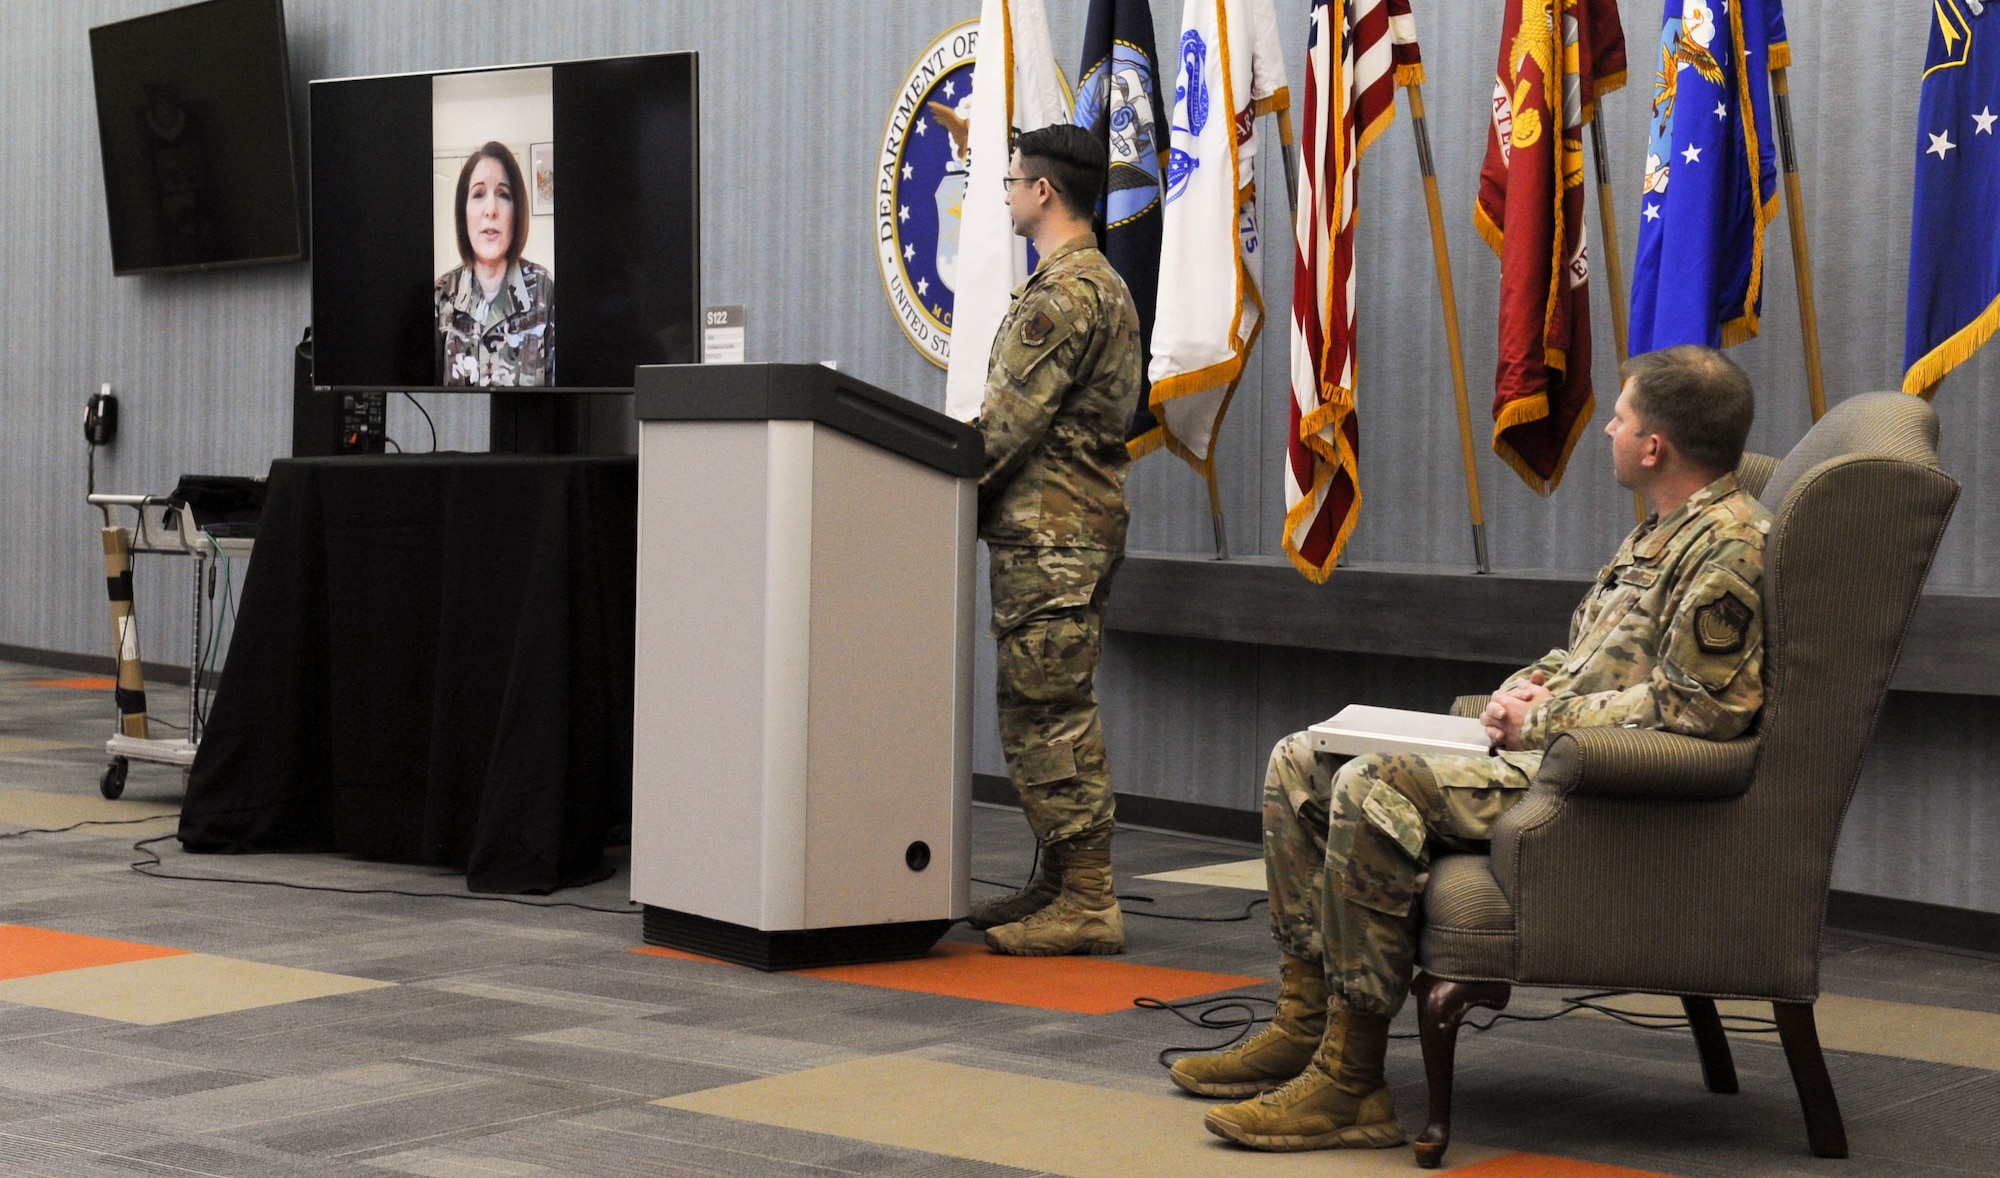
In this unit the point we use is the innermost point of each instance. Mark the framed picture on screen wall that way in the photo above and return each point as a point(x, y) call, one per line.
point(542, 163)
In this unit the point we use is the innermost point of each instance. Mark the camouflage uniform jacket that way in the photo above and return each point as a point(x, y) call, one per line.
point(1061, 384)
point(511, 342)
point(1671, 636)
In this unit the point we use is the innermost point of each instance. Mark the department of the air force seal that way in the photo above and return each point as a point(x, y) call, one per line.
point(920, 186)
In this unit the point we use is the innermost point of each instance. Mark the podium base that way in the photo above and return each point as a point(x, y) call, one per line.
point(790, 949)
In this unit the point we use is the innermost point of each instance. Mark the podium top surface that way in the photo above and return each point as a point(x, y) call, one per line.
point(808, 392)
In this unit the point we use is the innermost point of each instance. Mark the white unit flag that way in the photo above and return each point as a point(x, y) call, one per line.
point(1232, 72)
point(1015, 87)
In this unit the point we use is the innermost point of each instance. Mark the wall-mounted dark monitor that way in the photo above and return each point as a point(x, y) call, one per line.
point(450, 253)
point(195, 119)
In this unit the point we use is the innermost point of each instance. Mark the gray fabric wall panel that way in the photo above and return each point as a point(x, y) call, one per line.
point(1188, 746)
point(1925, 819)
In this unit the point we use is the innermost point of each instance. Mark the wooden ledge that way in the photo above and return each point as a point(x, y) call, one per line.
point(1424, 611)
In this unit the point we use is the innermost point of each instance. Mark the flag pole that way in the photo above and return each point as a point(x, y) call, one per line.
point(1450, 301)
point(1614, 270)
point(1215, 508)
point(1289, 152)
point(1795, 218)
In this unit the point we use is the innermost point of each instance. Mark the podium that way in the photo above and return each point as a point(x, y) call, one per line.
point(802, 738)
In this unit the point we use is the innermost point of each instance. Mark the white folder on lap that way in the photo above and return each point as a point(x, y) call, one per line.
point(1358, 729)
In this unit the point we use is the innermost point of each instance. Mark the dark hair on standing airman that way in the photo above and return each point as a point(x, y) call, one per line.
point(1698, 399)
point(1070, 159)
point(516, 189)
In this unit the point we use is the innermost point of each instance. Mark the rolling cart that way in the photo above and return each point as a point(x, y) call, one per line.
point(164, 525)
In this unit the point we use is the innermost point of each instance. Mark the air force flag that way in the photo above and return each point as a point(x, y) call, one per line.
point(1955, 223)
point(1711, 175)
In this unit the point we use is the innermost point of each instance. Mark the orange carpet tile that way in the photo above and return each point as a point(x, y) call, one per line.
point(1080, 985)
point(78, 684)
point(1535, 1165)
point(27, 952)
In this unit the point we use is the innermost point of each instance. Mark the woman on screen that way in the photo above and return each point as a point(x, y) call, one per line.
point(496, 312)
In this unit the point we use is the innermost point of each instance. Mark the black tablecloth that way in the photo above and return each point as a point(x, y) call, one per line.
point(432, 664)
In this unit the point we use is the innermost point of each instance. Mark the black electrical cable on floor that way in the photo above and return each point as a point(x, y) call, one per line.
point(1135, 898)
point(1217, 1013)
point(1238, 918)
point(1742, 1024)
point(1220, 1012)
point(14, 834)
point(148, 868)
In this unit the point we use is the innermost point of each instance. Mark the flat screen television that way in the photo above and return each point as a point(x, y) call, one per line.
point(447, 256)
point(194, 115)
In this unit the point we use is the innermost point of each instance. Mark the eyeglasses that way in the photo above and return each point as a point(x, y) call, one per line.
point(1007, 182)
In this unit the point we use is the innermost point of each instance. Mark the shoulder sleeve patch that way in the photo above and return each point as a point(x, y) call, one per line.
point(1035, 332)
point(1721, 625)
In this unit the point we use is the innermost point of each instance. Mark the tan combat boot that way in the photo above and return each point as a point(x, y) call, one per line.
point(1340, 1101)
point(1034, 896)
point(1276, 1053)
point(1083, 918)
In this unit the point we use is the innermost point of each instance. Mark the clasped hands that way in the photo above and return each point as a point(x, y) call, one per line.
point(1510, 707)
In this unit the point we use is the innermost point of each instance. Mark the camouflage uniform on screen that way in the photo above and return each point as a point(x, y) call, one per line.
point(1671, 636)
point(506, 341)
point(1061, 385)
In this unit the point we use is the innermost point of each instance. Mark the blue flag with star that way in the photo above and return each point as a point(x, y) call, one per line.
point(1955, 222)
point(1711, 175)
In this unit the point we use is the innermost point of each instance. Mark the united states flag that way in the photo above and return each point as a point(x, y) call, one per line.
point(1358, 52)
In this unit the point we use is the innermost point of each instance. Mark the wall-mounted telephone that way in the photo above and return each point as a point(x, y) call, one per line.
point(100, 417)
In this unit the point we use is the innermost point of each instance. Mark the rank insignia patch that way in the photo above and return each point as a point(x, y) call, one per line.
point(1720, 626)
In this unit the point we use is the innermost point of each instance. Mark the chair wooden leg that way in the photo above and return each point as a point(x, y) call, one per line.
point(1717, 1068)
point(1800, 1036)
point(1440, 1007)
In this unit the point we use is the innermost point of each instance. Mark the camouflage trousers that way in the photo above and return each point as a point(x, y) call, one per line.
point(1348, 847)
point(1048, 618)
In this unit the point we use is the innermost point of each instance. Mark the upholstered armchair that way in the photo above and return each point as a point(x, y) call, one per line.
point(1651, 862)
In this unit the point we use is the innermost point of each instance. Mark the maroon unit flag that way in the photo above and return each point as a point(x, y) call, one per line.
point(1556, 57)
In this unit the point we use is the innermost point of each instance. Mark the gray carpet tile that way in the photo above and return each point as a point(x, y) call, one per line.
point(657, 1042)
point(1870, 1087)
point(653, 1141)
point(20, 1023)
point(894, 1021)
point(1968, 1111)
point(633, 1077)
